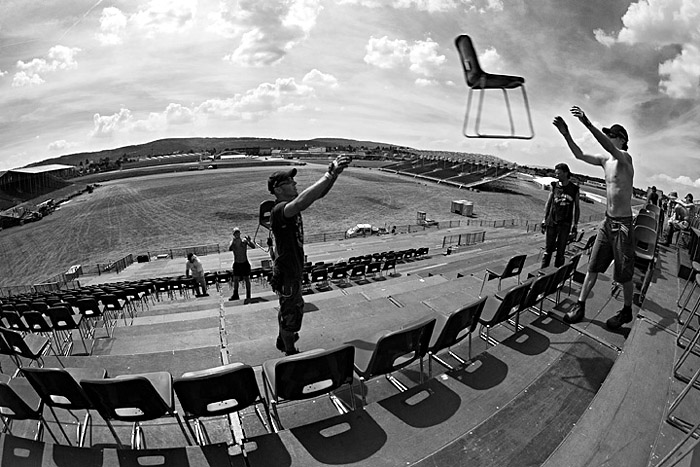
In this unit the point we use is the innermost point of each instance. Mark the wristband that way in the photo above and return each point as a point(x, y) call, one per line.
point(330, 176)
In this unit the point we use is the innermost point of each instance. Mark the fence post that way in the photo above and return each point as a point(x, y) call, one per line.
point(171, 254)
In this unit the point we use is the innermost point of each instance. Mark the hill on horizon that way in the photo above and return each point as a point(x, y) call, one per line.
point(184, 145)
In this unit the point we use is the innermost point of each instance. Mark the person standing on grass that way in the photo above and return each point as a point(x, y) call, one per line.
point(561, 215)
point(194, 266)
point(288, 255)
point(241, 265)
point(615, 238)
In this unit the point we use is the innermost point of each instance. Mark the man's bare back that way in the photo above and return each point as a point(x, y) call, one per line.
point(616, 162)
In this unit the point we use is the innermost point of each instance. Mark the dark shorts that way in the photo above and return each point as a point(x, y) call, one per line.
point(241, 269)
point(291, 306)
point(615, 241)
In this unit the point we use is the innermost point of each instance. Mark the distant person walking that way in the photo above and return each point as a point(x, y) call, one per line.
point(194, 266)
point(615, 238)
point(653, 197)
point(241, 265)
point(561, 215)
point(288, 254)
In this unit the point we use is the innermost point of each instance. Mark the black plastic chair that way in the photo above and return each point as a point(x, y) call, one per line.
point(32, 346)
point(389, 351)
point(513, 268)
point(19, 401)
point(59, 388)
point(90, 309)
point(500, 311)
point(64, 322)
point(307, 375)
point(477, 78)
point(452, 329)
point(216, 392)
point(134, 398)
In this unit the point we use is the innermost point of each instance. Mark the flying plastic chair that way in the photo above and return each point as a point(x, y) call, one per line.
point(479, 79)
point(264, 221)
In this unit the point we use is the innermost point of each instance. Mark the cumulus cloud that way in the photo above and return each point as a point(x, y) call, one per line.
point(105, 126)
point(165, 16)
point(59, 58)
point(667, 180)
point(3, 73)
point(316, 78)
point(430, 6)
point(284, 95)
point(60, 145)
point(422, 57)
point(265, 31)
point(422, 82)
point(386, 53)
point(112, 25)
point(660, 23)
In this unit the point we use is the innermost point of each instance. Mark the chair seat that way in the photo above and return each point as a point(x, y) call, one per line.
point(36, 344)
point(440, 321)
point(161, 381)
point(493, 81)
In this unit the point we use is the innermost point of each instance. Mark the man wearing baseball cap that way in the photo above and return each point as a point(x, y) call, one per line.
point(615, 238)
point(288, 254)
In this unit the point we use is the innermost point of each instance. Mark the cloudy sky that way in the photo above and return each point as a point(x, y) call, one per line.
point(88, 75)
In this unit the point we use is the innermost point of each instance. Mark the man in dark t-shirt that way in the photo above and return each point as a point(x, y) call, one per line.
point(561, 215)
point(653, 197)
point(288, 255)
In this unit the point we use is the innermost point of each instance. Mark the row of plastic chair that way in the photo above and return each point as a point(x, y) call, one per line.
point(226, 389)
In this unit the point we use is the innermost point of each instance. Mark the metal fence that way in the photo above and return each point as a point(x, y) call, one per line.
point(68, 280)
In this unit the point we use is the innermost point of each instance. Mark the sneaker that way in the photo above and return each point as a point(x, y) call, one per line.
point(247, 301)
point(576, 314)
point(619, 319)
point(235, 296)
point(293, 352)
point(205, 294)
point(232, 299)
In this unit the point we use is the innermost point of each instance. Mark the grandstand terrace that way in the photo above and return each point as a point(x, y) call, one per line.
point(541, 392)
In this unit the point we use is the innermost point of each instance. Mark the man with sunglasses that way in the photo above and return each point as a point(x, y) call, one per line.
point(287, 229)
point(615, 238)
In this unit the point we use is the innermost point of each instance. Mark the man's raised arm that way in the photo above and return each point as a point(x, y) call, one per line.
point(578, 153)
point(319, 189)
point(601, 137)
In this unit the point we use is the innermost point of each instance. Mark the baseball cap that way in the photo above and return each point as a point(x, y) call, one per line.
point(279, 176)
point(236, 229)
point(616, 130)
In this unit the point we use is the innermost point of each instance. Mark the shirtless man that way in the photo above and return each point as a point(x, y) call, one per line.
point(615, 238)
point(241, 265)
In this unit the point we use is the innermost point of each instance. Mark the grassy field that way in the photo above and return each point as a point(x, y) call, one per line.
point(138, 215)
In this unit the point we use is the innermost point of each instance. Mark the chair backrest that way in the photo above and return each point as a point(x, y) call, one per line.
point(646, 221)
point(374, 267)
point(314, 373)
point(88, 307)
point(653, 208)
point(265, 213)
point(459, 325)
point(511, 304)
point(36, 322)
point(16, 343)
point(644, 241)
point(14, 405)
point(57, 388)
point(398, 349)
point(514, 266)
point(559, 278)
point(468, 58)
point(320, 274)
point(539, 288)
point(132, 398)
point(217, 391)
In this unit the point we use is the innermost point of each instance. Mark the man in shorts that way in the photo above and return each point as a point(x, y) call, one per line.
point(615, 239)
point(241, 265)
point(288, 254)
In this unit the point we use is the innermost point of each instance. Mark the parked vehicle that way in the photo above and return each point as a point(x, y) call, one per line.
point(363, 230)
